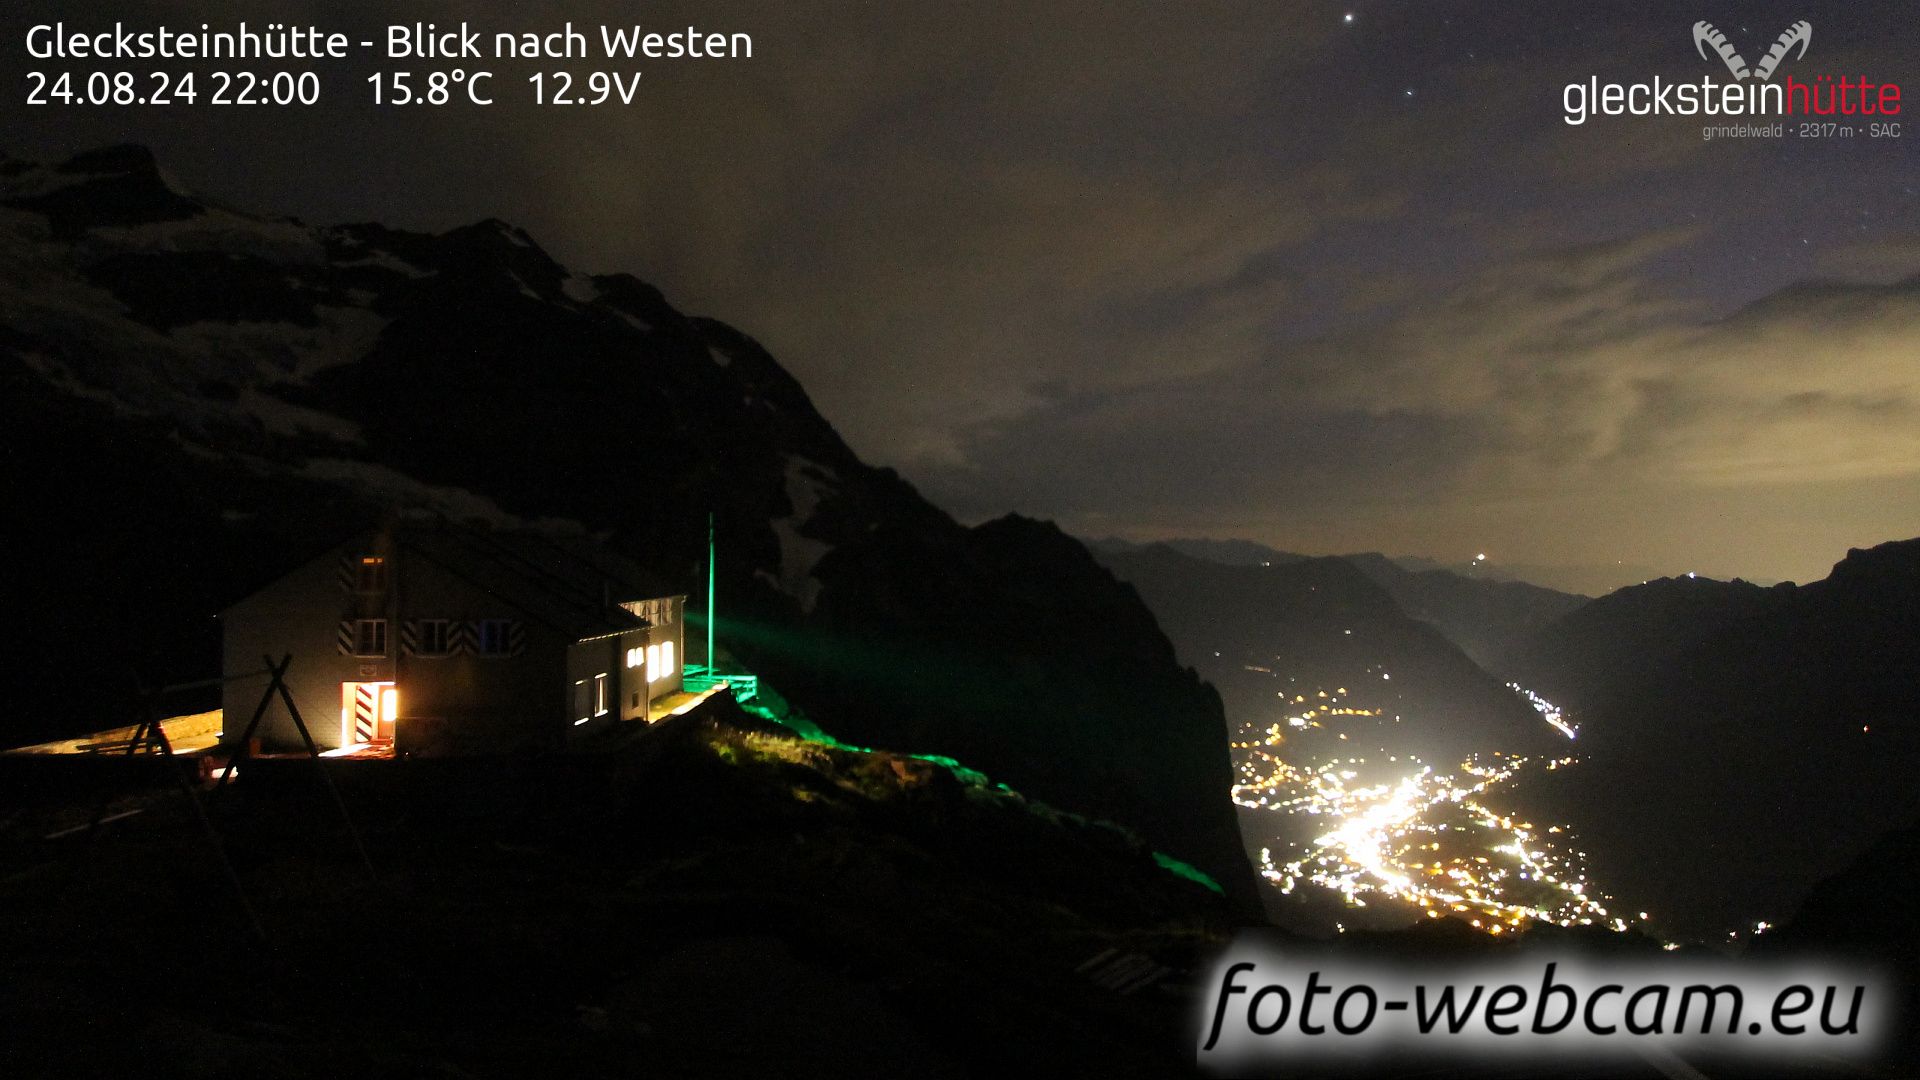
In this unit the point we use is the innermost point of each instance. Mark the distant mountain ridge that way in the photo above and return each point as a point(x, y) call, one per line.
point(198, 397)
point(1741, 742)
point(1326, 624)
point(1844, 638)
point(1490, 618)
point(1600, 649)
point(1572, 579)
point(1226, 552)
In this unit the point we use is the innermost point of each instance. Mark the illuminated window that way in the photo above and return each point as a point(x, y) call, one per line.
point(653, 663)
point(580, 702)
point(370, 637)
point(496, 638)
point(370, 575)
point(600, 694)
point(636, 657)
point(434, 637)
point(666, 659)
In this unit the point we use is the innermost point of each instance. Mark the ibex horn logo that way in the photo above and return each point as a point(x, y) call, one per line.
point(1705, 34)
point(1749, 93)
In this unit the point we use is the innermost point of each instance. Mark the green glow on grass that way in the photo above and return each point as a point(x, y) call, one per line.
point(713, 664)
point(1187, 870)
point(772, 708)
point(806, 729)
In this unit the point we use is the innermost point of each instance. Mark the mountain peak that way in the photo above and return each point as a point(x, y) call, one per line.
point(113, 186)
point(122, 160)
point(1900, 557)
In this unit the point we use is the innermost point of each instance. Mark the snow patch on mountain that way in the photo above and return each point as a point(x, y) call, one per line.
point(280, 417)
point(386, 260)
point(514, 235)
point(632, 320)
point(62, 378)
point(458, 504)
point(281, 242)
point(275, 351)
point(526, 290)
point(807, 482)
point(580, 289)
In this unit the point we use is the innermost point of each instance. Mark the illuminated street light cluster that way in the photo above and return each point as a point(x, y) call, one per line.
point(1548, 711)
point(1393, 830)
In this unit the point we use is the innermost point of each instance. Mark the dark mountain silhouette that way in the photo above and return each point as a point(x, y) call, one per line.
point(1864, 911)
point(1227, 552)
point(1600, 650)
point(1489, 617)
point(1578, 579)
point(1264, 634)
point(199, 398)
point(1323, 624)
point(1863, 918)
point(1739, 743)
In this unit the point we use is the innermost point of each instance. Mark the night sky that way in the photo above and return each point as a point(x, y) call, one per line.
point(1334, 277)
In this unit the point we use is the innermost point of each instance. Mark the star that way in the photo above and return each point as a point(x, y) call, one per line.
point(1347, 18)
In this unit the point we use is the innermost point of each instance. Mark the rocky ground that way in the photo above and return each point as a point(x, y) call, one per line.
point(728, 899)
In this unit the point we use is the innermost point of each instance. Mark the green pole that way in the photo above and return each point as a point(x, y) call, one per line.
point(713, 667)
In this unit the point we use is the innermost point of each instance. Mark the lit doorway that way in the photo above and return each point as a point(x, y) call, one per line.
point(367, 711)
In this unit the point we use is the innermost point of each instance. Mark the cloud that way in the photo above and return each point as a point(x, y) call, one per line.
point(1883, 259)
point(1565, 379)
point(1200, 264)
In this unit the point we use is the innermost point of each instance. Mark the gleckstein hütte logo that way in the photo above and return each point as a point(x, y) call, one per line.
point(1750, 93)
point(1705, 34)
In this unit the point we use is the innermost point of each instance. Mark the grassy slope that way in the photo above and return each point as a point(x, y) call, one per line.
point(734, 899)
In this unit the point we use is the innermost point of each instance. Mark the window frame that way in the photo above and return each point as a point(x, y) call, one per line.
point(481, 642)
point(370, 574)
point(363, 629)
point(421, 638)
